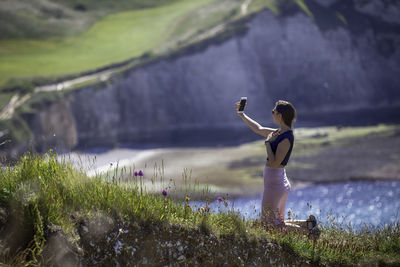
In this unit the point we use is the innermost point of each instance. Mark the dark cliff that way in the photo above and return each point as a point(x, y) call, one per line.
point(343, 56)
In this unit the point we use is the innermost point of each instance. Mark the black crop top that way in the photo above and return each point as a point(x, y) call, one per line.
point(274, 145)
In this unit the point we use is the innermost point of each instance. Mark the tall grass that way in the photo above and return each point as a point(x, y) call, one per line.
point(50, 192)
point(46, 191)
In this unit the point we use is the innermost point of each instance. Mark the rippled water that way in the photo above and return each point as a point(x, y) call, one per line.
point(358, 203)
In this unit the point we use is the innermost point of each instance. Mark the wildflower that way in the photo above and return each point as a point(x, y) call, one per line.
point(220, 199)
point(205, 209)
point(164, 192)
point(187, 205)
point(140, 173)
point(284, 229)
point(136, 173)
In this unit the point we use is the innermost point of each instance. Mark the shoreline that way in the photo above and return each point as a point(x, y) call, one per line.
point(322, 155)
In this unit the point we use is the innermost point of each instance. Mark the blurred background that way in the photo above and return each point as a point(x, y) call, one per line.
point(151, 84)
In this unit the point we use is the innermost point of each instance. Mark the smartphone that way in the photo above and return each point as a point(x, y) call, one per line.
point(243, 101)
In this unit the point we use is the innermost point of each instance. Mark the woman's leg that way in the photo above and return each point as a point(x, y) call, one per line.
point(282, 206)
point(292, 225)
point(297, 225)
point(304, 227)
point(274, 205)
point(270, 207)
point(301, 223)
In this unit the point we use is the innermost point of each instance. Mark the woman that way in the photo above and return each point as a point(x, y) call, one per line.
point(279, 144)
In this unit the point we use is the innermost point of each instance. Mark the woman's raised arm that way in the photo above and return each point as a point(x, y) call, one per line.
point(253, 125)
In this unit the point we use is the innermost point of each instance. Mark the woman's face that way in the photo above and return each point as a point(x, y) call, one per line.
point(276, 116)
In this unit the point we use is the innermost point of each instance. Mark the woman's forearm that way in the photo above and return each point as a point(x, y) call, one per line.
point(253, 125)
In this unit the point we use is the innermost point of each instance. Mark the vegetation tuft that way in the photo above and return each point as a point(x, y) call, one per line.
point(41, 196)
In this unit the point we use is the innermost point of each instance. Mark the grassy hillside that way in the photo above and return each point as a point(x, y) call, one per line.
point(43, 38)
point(44, 18)
point(47, 206)
point(53, 39)
point(114, 38)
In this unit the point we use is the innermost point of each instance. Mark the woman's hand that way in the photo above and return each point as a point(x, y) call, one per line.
point(272, 136)
point(237, 106)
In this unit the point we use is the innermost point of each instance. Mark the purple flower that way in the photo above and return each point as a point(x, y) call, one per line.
point(164, 192)
point(220, 199)
point(136, 173)
point(140, 173)
point(284, 229)
point(188, 205)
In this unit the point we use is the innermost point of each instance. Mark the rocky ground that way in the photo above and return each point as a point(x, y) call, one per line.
point(132, 244)
point(109, 241)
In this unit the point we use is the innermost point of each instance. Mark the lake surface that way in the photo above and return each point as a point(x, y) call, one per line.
point(355, 203)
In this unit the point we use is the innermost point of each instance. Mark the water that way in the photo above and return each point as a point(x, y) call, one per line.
point(355, 203)
point(239, 133)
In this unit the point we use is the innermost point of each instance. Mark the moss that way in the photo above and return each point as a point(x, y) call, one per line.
point(21, 86)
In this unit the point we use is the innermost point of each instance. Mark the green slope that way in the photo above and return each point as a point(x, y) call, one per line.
point(47, 18)
point(114, 38)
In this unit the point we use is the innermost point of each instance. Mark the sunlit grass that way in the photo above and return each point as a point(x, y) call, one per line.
point(115, 38)
point(304, 7)
point(272, 5)
point(308, 139)
point(50, 192)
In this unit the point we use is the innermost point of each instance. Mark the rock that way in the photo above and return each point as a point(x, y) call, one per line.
point(58, 251)
point(181, 258)
point(279, 57)
point(56, 126)
point(3, 217)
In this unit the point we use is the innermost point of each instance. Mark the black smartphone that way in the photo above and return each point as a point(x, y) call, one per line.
point(243, 101)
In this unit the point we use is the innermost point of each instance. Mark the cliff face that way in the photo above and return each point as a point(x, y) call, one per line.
point(344, 62)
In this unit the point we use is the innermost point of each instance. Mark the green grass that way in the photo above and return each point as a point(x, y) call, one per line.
point(304, 8)
point(49, 193)
point(272, 5)
point(204, 18)
point(42, 19)
point(309, 138)
point(112, 39)
point(5, 98)
point(115, 38)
